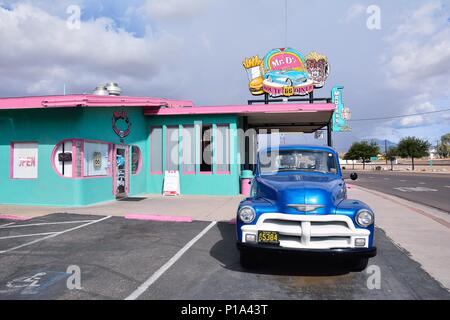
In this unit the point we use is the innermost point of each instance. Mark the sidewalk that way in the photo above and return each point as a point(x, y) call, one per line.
point(422, 231)
point(204, 208)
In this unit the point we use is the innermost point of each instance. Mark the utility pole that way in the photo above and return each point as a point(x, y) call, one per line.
point(385, 150)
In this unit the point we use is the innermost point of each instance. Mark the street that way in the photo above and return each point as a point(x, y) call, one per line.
point(426, 188)
point(119, 258)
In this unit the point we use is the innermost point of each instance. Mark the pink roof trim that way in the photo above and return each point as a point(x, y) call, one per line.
point(89, 101)
point(243, 109)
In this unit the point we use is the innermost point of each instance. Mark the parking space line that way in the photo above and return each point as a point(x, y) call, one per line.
point(5, 225)
point(143, 287)
point(54, 235)
point(28, 235)
point(42, 224)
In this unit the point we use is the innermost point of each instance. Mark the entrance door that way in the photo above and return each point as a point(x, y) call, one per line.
point(121, 172)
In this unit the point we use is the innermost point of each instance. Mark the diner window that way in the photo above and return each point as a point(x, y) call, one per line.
point(77, 158)
point(188, 149)
point(172, 151)
point(96, 159)
point(63, 158)
point(136, 160)
point(222, 149)
point(206, 148)
point(24, 160)
point(156, 150)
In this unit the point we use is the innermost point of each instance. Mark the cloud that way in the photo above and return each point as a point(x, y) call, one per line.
point(40, 53)
point(353, 12)
point(171, 9)
point(418, 120)
point(419, 51)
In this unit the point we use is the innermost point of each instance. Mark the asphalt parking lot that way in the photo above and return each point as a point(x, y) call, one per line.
point(119, 258)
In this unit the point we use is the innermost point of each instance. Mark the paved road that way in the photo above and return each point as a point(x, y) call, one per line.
point(428, 189)
point(115, 256)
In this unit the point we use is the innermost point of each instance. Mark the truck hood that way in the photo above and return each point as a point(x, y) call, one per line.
point(325, 191)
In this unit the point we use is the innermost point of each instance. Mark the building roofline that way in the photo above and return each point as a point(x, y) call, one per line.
point(244, 109)
point(88, 100)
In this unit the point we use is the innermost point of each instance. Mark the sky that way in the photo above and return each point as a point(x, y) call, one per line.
point(193, 49)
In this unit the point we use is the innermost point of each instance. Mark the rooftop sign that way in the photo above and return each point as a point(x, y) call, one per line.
point(286, 72)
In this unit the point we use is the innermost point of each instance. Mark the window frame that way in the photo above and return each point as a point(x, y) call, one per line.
point(216, 152)
point(167, 151)
point(160, 172)
point(193, 150)
point(75, 156)
point(211, 145)
point(139, 168)
point(11, 159)
point(109, 172)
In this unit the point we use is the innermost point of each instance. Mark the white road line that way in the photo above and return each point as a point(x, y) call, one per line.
point(43, 224)
point(386, 178)
point(5, 225)
point(143, 287)
point(422, 183)
point(28, 235)
point(402, 180)
point(446, 186)
point(54, 235)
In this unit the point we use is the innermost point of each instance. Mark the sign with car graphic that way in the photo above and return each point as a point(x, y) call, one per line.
point(286, 72)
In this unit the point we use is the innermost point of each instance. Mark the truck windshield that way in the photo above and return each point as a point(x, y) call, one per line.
point(297, 160)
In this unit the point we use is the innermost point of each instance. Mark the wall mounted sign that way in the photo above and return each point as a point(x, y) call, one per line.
point(341, 113)
point(121, 115)
point(97, 157)
point(286, 72)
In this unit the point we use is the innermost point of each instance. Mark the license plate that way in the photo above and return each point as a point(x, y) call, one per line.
point(268, 237)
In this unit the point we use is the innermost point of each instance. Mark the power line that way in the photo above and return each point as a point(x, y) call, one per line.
point(285, 22)
point(402, 116)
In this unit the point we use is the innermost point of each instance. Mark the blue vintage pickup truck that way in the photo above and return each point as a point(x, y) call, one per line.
point(299, 203)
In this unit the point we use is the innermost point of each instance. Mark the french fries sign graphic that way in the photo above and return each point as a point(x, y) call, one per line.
point(286, 72)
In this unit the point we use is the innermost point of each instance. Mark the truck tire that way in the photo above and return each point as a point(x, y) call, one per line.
point(248, 260)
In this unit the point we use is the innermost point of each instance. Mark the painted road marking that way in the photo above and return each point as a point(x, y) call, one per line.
point(42, 224)
point(386, 178)
point(402, 180)
point(143, 287)
point(415, 189)
point(5, 225)
point(28, 235)
point(54, 235)
point(154, 217)
point(446, 186)
point(371, 178)
point(422, 183)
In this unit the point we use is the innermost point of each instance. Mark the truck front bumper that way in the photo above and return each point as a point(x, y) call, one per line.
point(335, 252)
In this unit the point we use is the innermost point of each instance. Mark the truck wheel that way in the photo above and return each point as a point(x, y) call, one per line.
point(248, 260)
point(359, 265)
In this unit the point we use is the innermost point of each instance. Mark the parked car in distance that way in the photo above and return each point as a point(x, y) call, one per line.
point(287, 78)
point(299, 203)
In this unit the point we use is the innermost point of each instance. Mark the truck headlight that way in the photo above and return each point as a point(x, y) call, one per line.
point(247, 214)
point(364, 218)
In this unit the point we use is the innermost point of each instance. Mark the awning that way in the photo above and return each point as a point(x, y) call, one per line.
point(288, 117)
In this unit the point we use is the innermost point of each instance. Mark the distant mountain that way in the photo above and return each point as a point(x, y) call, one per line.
point(381, 143)
point(342, 143)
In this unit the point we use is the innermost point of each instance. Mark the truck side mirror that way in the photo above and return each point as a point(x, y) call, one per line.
point(353, 176)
